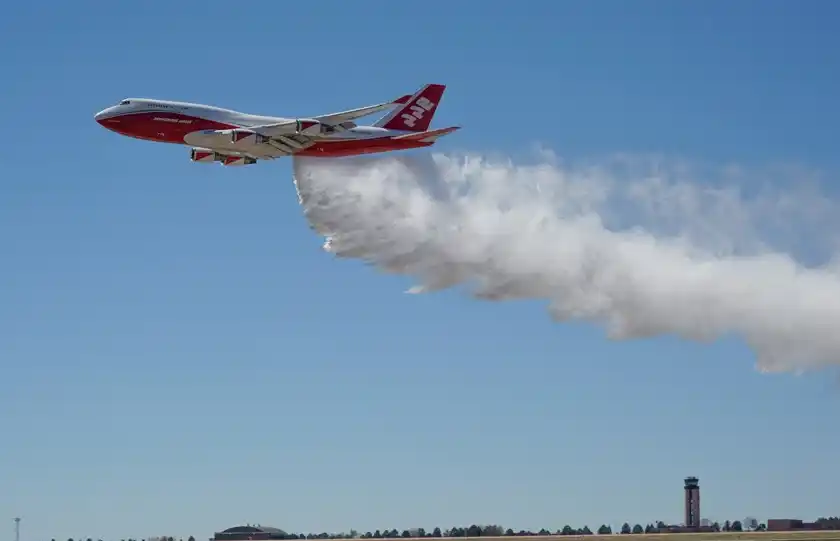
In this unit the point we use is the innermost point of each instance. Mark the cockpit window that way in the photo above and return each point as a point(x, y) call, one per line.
point(125, 102)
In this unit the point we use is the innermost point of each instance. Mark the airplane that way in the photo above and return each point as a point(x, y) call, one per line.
point(234, 138)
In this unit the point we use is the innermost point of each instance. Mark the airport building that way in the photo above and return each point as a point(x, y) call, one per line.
point(249, 533)
point(793, 524)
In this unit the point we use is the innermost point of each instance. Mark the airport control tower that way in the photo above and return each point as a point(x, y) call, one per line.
point(692, 502)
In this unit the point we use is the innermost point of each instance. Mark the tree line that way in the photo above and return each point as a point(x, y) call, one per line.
point(469, 531)
point(829, 523)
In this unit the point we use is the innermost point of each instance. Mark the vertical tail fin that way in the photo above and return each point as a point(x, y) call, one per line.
point(416, 113)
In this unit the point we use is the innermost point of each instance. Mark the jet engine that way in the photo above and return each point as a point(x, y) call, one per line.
point(309, 126)
point(204, 155)
point(247, 138)
point(238, 160)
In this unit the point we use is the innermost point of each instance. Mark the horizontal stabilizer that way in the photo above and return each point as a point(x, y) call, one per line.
point(427, 136)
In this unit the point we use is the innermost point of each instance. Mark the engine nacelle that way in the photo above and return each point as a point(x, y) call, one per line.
point(247, 138)
point(205, 155)
point(238, 160)
point(309, 126)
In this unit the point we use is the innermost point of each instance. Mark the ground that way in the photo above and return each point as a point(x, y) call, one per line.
point(723, 536)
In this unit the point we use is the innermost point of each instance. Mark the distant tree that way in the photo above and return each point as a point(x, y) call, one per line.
point(367, 535)
point(727, 526)
point(191, 538)
point(406, 534)
point(585, 531)
point(492, 530)
point(474, 531)
point(604, 530)
point(660, 525)
point(715, 526)
point(737, 527)
point(436, 532)
point(509, 532)
point(649, 528)
point(567, 530)
point(625, 528)
point(761, 527)
point(637, 529)
point(377, 534)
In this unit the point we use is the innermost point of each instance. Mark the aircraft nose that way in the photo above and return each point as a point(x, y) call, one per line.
point(103, 114)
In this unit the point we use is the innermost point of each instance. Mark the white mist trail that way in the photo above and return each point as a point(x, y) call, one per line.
point(634, 245)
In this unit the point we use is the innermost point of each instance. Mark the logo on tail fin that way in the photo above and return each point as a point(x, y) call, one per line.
point(416, 112)
point(420, 108)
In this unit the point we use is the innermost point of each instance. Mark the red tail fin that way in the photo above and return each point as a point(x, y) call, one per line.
point(416, 113)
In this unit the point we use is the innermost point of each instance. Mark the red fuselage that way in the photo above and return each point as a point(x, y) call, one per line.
point(150, 120)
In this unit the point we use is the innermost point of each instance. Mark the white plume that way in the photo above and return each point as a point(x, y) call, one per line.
point(634, 244)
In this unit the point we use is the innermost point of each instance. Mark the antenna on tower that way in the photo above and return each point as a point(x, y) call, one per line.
point(17, 528)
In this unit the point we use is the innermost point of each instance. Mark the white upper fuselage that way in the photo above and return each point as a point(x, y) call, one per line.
point(225, 116)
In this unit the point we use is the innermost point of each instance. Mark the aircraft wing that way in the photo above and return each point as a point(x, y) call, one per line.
point(353, 114)
point(333, 121)
point(290, 136)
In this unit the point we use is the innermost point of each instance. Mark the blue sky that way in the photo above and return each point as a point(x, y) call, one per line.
point(180, 356)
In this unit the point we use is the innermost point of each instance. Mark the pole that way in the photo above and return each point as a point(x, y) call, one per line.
point(17, 528)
